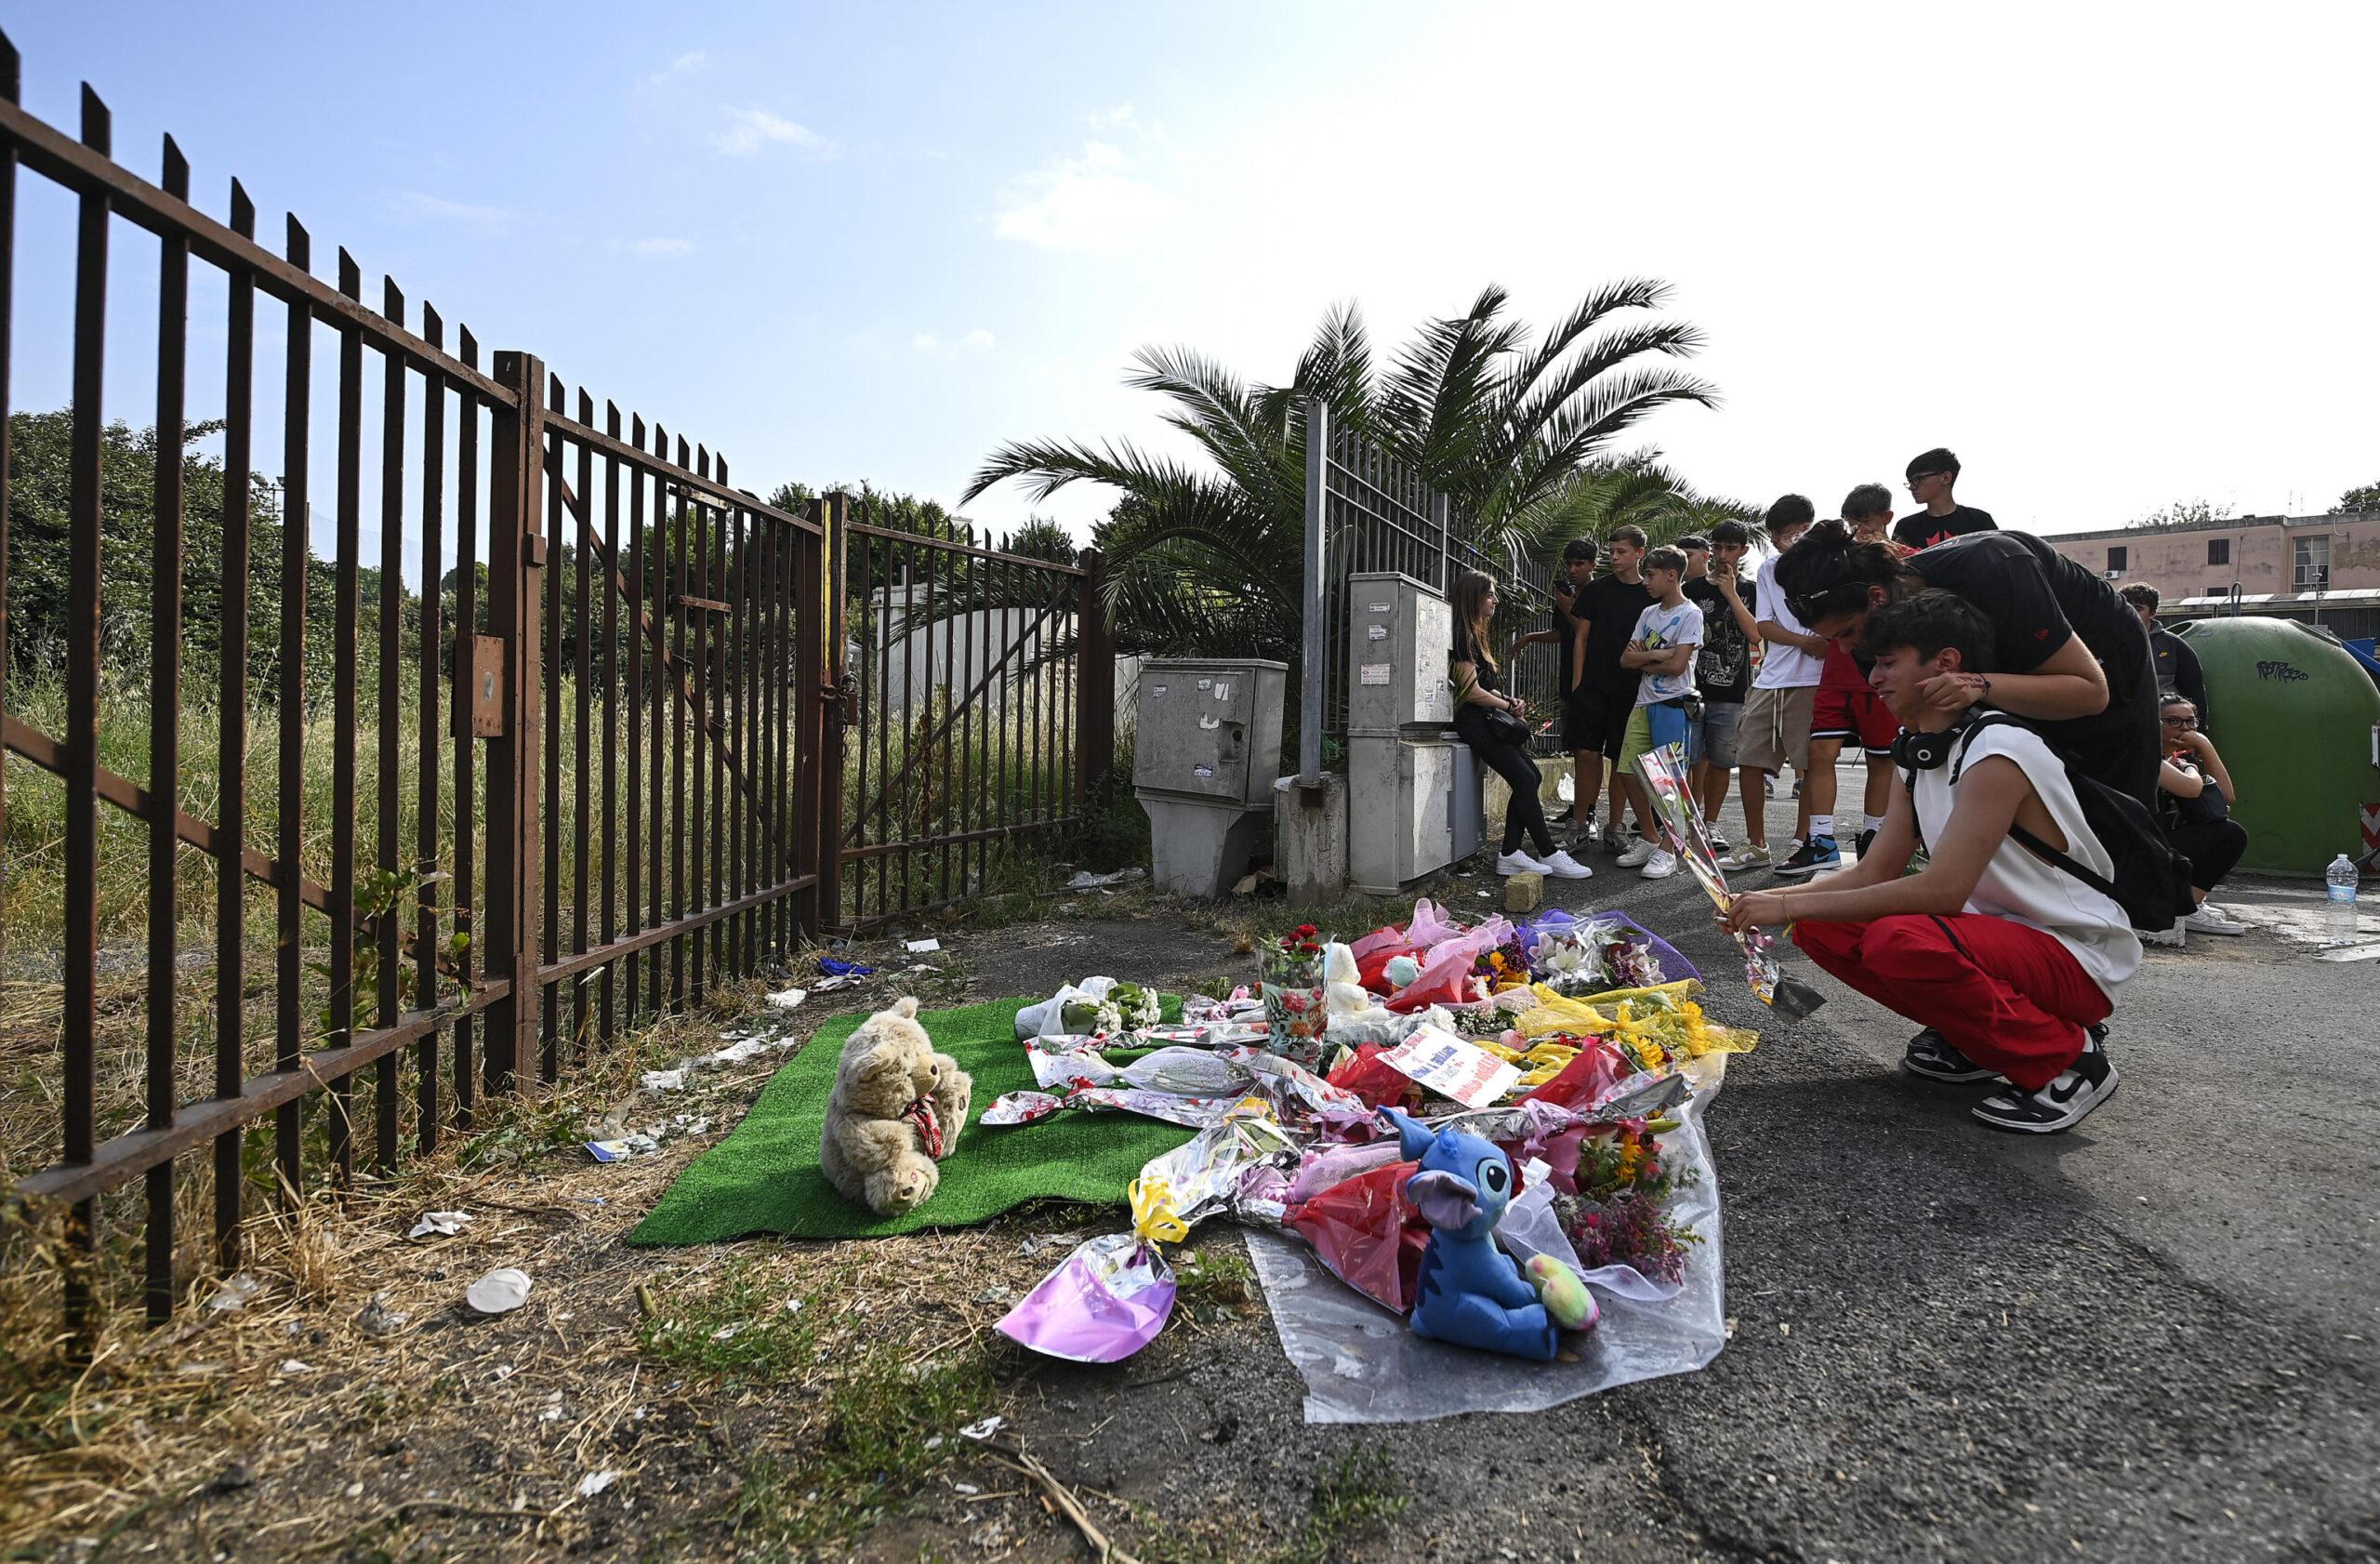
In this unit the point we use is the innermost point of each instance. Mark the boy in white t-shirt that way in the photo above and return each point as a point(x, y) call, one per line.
point(2010, 963)
point(1661, 650)
point(1773, 731)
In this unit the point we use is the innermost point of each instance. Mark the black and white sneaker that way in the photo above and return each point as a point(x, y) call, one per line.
point(1931, 1055)
point(1867, 839)
point(2062, 1104)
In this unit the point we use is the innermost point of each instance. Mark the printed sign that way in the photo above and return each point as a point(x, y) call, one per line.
point(1452, 1068)
point(1376, 632)
point(1383, 608)
point(1373, 673)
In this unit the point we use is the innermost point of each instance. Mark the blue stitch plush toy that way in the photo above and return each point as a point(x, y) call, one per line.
point(1471, 1292)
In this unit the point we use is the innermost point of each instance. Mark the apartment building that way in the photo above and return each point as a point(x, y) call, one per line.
point(2322, 569)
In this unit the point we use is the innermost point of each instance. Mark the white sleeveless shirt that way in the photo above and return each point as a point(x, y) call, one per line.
point(2022, 888)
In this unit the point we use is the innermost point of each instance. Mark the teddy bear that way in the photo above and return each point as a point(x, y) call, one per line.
point(897, 1110)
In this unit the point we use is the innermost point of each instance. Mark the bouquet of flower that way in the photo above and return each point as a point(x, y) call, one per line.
point(1567, 962)
point(1503, 966)
point(1295, 1013)
point(1621, 1215)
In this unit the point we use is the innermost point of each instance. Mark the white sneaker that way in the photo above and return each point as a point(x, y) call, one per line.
point(2173, 936)
point(1660, 866)
point(1751, 854)
point(2207, 920)
point(1639, 852)
point(1718, 838)
point(1519, 862)
point(1564, 867)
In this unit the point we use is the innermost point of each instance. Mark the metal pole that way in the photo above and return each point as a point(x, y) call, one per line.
point(1313, 685)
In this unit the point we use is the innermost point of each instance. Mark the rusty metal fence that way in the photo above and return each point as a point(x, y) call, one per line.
point(591, 762)
point(1365, 511)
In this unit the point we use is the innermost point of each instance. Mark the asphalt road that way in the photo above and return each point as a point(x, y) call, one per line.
point(2152, 1338)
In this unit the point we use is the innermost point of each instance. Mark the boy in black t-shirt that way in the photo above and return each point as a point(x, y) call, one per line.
point(2072, 656)
point(1723, 671)
point(1932, 476)
point(1606, 696)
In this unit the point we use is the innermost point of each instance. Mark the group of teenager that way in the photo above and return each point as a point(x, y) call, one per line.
point(1989, 684)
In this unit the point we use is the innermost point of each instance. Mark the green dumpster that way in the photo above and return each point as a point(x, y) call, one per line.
point(2293, 718)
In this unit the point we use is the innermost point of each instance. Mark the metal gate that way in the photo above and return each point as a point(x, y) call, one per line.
point(412, 828)
point(981, 711)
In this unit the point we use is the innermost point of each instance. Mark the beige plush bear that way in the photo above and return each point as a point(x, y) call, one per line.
point(897, 1110)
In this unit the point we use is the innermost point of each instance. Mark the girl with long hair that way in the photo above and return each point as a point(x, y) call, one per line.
point(1495, 725)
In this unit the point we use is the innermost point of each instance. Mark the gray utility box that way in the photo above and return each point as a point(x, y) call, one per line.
point(1413, 788)
point(1206, 748)
point(1399, 633)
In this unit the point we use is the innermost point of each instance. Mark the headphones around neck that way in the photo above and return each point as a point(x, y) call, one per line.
point(1913, 750)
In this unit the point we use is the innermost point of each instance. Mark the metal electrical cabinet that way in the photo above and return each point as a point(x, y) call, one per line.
point(1206, 748)
point(1413, 789)
point(1399, 633)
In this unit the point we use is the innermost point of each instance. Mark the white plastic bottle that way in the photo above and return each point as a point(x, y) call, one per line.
point(2339, 924)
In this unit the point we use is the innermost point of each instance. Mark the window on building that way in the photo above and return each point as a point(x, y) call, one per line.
point(2218, 550)
point(2120, 558)
point(2313, 562)
point(2220, 588)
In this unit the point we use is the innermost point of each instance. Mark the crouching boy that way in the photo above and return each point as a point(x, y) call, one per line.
point(2010, 964)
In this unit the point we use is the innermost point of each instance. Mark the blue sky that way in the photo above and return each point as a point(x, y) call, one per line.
point(2114, 263)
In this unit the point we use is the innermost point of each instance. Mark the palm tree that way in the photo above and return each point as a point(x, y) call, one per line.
point(1514, 430)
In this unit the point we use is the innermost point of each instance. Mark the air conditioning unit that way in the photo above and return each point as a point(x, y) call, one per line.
point(2111, 575)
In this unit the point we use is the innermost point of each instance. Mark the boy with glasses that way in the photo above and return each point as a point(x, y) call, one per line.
point(1932, 476)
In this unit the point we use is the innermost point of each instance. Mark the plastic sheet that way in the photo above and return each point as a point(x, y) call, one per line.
point(1445, 973)
point(1361, 1363)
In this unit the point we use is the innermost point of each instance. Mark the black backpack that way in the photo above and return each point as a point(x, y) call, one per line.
point(2151, 881)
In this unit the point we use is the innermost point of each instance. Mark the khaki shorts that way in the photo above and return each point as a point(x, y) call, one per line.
point(1775, 732)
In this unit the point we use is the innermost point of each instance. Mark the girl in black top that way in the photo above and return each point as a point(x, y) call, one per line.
point(2072, 656)
point(1495, 725)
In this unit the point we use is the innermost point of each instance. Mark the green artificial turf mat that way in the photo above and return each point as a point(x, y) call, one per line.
point(764, 1176)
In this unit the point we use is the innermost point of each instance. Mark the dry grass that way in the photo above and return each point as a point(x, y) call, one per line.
point(305, 1425)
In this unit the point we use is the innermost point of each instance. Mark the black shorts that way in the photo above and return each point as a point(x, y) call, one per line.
point(1593, 719)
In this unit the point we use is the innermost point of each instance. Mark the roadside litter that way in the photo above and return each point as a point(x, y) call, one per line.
point(500, 1292)
point(444, 1224)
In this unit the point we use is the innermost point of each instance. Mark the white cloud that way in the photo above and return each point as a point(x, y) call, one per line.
point(685, 65)
point(979, 339)
point(1087, 203)
point(748, 130)
point(925, 342)
point(661, 245)
point(437, 208)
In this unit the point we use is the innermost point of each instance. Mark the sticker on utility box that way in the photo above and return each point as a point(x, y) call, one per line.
point(1206, 683)
point(1222, 691)
point(1383, 608)
point(1373, 673)
point(1376, 632)
point(1202, 771)
point(1210, 723)
point(1156, 690)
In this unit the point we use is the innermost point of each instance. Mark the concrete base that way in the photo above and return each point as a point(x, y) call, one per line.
point(1199, 849)
point(1310, 839)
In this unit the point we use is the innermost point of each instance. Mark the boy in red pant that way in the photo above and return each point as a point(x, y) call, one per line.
point(2010, 964)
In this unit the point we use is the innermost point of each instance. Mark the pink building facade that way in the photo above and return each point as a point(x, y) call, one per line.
point(2298, 567)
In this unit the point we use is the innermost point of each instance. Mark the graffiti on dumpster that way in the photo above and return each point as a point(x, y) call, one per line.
point(2275, 668)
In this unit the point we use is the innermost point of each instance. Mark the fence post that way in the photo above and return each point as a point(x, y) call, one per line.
point(1094, 682)
point(516, 562)
point(1314, 679)
point(835, 513)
